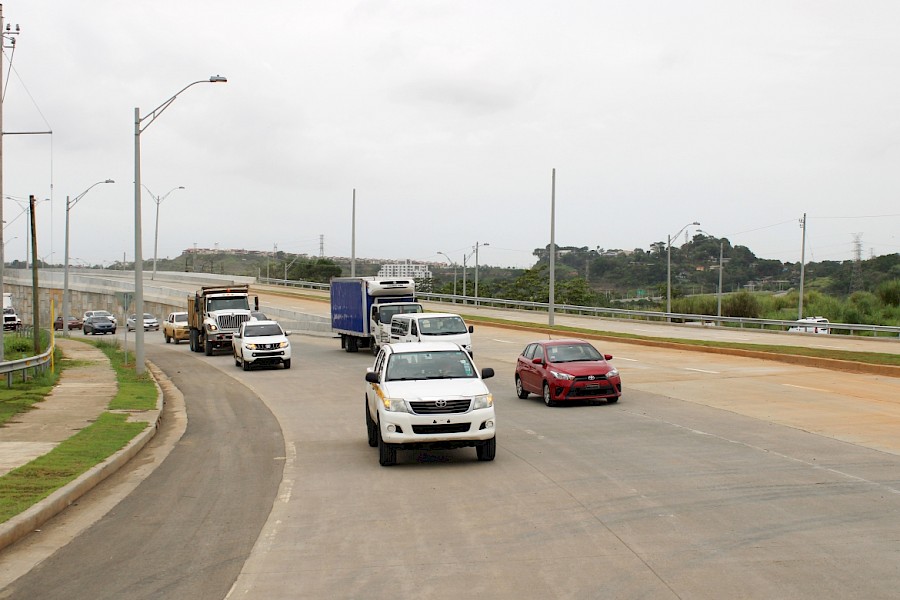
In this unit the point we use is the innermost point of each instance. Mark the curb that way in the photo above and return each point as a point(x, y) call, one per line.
point(27, 521)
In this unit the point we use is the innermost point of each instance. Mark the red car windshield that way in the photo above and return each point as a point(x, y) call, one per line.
point(572, 353)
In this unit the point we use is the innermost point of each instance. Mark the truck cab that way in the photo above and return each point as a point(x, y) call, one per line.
point(215, 314)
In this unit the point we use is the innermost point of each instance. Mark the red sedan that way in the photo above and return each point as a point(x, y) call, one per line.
point(566, 370)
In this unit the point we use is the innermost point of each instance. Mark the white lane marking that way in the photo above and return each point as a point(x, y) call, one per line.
point(503, 341)
point(623, 358)
point(702, 371)
point(803, 387)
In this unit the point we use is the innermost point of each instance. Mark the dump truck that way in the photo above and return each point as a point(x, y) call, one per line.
point(215, 313)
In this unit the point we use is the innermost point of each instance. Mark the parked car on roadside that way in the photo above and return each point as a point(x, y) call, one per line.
point(100, 313)
point(74, 323)
point(566, 370)
point(150, 322)
point(175, 327)
point(98, 324)
point(261, 343)
point(425, 395)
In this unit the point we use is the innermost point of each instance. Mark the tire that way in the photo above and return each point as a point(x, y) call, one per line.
point(487, 450)
point(387, 453)
point(286, 363)
point(244, 364)
point(168, 339)
point(352, 344)
point(207, 347)
point(520, 391)
point(237, 362)
point(84, 332)
point(612, 400)
point(192, 340)
point(548, 400)
point(371, 428)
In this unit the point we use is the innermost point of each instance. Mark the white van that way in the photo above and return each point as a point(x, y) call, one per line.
point(811, 325)
point(431, 327)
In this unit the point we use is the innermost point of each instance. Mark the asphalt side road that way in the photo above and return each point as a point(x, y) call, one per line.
point(185, 530)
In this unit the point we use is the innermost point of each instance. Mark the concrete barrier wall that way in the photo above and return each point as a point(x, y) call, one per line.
point(89, 291)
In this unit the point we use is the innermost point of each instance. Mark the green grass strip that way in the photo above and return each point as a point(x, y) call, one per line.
point(24, 394)
point(23, 487)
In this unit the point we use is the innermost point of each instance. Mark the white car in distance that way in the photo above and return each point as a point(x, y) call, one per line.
point(261, 343)
point(100, 313)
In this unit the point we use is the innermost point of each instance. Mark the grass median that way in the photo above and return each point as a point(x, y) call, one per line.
point(23, 487)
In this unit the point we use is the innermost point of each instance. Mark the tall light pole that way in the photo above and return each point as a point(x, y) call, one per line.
point(138, 251)
point(802, 265)
point(452, 262)
point(552, 258)
point(158, 201)
point(721, 271)
point(465, 287)
point(70, 204)
point(7, 40)
point(669, 267)
point(476, 269)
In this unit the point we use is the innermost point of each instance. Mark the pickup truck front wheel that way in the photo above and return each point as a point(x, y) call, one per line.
point(387, 453)
point(487, 450)
point(207, 347)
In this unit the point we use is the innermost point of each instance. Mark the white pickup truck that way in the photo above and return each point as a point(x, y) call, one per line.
point(428, 395)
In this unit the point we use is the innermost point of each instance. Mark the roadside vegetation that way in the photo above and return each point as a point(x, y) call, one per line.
point(22, 395)
point(30, 483)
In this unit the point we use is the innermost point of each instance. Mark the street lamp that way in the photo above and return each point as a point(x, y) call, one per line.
point(476, 270)
point(721, 271)
point(452, 262)
point(669, 267)
point(69, 205)
point(158, 201)
point(138, 251)
point(465, 287)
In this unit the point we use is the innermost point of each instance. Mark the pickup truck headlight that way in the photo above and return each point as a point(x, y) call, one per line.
point(250, 346)
point(395, 405)
point(283, 345)
point(561, 375)
point(483, 401)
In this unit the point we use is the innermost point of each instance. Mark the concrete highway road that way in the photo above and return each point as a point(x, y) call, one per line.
point(713, 477)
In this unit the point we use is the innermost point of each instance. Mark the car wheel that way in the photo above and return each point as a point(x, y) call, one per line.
point(286, 363)
point(612, 400)
point(237, 361)
point(487, 450)
point(168, 339)
point(84, 332)
point(387, 453)
point(245, 364)
point(548, 400)
point(371, 428)
point(520, 391)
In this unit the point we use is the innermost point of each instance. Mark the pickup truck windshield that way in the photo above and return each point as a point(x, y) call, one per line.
point(262, 330)
point(227, 303)
point(451, 364)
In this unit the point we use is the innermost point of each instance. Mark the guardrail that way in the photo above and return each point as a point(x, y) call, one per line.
point(624, 314)
point(41, 361)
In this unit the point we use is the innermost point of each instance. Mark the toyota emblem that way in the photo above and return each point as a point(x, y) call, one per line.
point(440, 403)
point(591, 377)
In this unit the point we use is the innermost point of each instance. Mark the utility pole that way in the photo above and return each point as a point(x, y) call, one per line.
point(552, 247)
point(35, 299)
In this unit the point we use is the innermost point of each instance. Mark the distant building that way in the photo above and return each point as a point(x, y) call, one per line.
point(405, 269)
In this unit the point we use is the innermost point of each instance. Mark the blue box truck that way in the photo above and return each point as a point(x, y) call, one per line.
point(362, 307)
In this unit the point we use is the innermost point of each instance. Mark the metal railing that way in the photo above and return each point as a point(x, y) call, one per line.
point(41, 361)
point(773, 325)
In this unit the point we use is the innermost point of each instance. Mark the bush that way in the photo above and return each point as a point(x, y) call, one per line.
point(742, 304)
point(889, 292)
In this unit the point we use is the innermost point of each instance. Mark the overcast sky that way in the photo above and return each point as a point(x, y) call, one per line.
point(447, 117)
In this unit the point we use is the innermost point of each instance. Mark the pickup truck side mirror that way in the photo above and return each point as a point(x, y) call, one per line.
point(471, 329)
point(288, 333)
point(372, 377)
point(237, 334)
point(487, 373)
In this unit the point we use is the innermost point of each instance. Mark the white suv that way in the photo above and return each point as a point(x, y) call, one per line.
point(425, 395)
point(261, 343)
point(811, 325)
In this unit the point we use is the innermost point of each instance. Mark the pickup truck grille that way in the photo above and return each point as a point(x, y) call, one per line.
point(231, 321)
point(444, 428)
point(440, 407)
